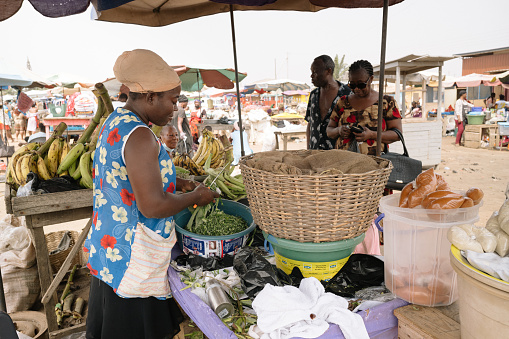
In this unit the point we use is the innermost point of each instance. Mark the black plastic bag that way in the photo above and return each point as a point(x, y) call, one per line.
point(208, 264)
point(58, 184)
point(360, 271)
point(254, 271)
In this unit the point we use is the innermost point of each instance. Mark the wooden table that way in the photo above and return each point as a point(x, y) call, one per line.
point(44, 210)
point(70, 121)
point(216, 127)
point(287, 135)
point(474, 133)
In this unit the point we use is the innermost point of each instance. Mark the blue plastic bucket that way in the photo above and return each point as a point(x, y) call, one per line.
point(206, 245)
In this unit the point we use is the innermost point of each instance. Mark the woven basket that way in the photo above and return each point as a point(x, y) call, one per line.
point(56, 260)
point(314, 208)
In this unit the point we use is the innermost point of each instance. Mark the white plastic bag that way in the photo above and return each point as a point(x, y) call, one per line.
point(25, 190)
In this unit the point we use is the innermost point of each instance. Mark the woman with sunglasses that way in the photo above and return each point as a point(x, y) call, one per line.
point(353, 123)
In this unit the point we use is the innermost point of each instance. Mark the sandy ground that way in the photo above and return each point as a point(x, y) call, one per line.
point(462, 167)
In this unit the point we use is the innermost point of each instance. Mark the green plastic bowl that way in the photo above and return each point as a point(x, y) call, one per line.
point(314, 252)
point(206, 245)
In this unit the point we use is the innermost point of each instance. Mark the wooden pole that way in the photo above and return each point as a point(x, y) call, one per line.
point(232, 21)
point(382, 76)
point(440, 89)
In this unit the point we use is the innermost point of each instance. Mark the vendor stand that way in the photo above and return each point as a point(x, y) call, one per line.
point(45, 210)
point(70, 121)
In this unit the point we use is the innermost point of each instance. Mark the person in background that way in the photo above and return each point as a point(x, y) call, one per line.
point(235, 139)
point(122, 99)
point(169, 139)
point(181, 123)
point(501, 103)
point(39, 136)
point(134, 203)
point(19, 123)
point(5, 124)
point(32, 119)
point(490, 101)
point(360, 109)
point(196, 116)
point(460, 115)
point(321, 102)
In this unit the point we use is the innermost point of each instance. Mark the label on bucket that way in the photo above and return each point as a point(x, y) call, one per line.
point(212, 248)
point(320, 270)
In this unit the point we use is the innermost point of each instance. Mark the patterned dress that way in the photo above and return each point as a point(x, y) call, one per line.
point(115, 209)
point(345, 114)
point(318, 138)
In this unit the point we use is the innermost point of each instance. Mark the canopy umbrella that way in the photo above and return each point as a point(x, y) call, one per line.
point(283, 84)
point(11, 75)
point(38, 80)
point(196, 76)
point(472, 80)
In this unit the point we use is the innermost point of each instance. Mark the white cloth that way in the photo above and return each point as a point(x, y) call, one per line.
point(458, 109)
point(32, 121)
point(286, 312)
point(236, 146)
point(491, 263)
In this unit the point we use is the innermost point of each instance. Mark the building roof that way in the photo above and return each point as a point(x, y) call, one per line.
point(485, 52)
point(411, 64)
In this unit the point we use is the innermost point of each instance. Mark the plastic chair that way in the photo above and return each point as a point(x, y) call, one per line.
point(7, 329)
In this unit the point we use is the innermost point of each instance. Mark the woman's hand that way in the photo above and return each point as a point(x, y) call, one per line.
point(186, 185)
point(365, 135)
point(344, 131)
point(205, 195)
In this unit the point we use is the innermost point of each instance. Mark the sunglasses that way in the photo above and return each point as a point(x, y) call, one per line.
point(360, 85)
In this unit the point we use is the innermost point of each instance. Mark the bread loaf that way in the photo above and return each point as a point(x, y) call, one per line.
point(425, 183)
point(475, 194)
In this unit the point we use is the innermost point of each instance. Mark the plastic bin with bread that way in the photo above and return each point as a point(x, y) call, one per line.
point(416, 247)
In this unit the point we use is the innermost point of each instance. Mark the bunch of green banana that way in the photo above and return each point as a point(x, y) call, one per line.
point(212, 148)
point(28, 158)
point(231, 187)
point(185, 161)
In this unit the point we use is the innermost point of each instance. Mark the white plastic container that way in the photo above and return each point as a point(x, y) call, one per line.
point(416, 251)
point(484, 301)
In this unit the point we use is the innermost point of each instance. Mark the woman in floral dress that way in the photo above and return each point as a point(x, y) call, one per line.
point(133, 231)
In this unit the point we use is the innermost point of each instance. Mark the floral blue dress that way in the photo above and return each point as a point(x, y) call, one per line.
point(115, 210)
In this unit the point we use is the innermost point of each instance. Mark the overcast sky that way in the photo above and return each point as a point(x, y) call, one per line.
point(268, 43)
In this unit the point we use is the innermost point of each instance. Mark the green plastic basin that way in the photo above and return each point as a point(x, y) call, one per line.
point(314, 252)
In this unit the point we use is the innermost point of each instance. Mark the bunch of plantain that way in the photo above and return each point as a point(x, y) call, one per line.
point(211, 148)
point(56, 157)
point(31, 158)
point(185, 161)
point(78, 161)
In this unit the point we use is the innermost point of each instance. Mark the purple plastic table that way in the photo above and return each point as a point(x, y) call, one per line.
point(380, 320)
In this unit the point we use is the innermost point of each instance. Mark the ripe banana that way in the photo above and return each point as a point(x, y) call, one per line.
point(17, 155)
point(19, 175)
point(42, 169)
point(24, 167)
point(65, 150)
point(86, 176)
point(71, 157)
point(53, 157)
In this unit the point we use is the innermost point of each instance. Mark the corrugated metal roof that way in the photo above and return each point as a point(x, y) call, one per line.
point(485, 52)
point(412, 63)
